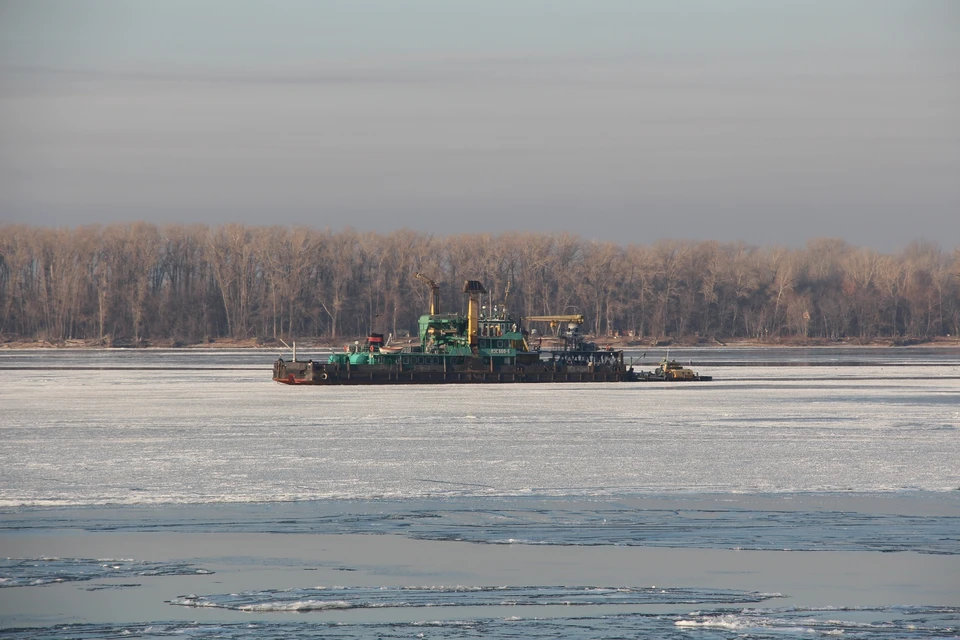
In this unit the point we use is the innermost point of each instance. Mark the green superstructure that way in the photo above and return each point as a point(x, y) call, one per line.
point(477, 347)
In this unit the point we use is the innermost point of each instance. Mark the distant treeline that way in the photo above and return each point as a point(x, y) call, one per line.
point(131, 283)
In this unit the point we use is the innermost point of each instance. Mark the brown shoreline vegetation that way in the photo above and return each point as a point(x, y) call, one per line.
point(236, 286)
point(618, 343)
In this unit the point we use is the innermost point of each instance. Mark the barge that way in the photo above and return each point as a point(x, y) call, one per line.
point(478, 348)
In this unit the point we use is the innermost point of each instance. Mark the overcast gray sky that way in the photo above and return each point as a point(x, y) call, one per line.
point(769, 122)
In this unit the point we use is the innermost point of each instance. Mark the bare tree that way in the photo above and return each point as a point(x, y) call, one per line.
point(137, 282)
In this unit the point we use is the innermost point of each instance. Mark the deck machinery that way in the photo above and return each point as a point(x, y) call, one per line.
point(485, 346)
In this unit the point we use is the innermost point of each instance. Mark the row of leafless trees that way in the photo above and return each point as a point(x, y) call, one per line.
point(134, 282)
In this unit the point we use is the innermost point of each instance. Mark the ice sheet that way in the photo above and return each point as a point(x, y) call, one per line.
point(151, 436)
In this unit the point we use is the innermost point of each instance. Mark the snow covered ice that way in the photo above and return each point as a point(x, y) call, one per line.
point(137, 436)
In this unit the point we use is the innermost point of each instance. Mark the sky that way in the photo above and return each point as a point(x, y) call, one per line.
point(632, 121)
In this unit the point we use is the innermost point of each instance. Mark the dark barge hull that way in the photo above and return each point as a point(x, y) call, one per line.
point(308, 373)
point(462, 378)
point(300, 373)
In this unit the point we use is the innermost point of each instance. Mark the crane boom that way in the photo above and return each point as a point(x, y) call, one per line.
point(434, 293)
point(555, 320)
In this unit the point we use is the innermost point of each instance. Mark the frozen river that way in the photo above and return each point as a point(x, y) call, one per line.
point(159, 434)
point(841, 453)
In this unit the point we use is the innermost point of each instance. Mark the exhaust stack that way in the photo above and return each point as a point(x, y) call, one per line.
point(474, 289)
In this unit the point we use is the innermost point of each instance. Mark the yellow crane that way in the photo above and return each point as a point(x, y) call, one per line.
point(555, 321)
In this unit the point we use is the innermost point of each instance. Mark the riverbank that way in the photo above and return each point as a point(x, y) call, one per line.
point(601, 341)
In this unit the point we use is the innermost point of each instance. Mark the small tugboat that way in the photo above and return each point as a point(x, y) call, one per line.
point(480, 347)
point(671, 371)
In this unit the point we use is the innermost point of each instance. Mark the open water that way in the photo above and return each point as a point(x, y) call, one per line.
point(804, 492)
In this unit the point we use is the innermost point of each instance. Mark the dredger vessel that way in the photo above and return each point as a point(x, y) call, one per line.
point(481, 347)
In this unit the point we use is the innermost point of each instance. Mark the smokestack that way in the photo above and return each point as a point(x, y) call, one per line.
point(475, 290)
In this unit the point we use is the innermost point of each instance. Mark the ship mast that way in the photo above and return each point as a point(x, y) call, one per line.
point(434, 293)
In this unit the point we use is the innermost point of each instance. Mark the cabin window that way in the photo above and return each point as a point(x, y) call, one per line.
point(419, 360)
point(500, 343)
